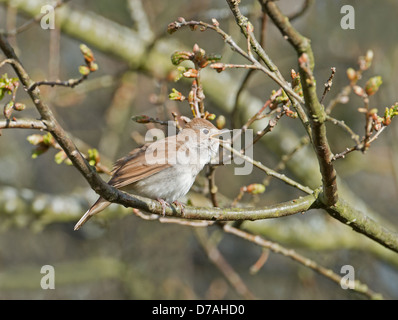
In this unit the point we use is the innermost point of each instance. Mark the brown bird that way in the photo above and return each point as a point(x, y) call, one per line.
point(163, 170)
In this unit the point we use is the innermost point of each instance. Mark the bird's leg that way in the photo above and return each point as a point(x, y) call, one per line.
point(182, 206)
point(164, 204)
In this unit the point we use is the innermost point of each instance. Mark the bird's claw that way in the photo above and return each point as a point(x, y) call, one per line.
point(163, 204)
point(181, 206)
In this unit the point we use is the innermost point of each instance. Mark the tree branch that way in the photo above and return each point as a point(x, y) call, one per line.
point(24, 124)
point(314, 108)
point(114, 195)
point(364, 224)
point(222, 264)
point(273, 71)
point(56, 130)
point(306, 5)
point(218, 88)
point(275, 247)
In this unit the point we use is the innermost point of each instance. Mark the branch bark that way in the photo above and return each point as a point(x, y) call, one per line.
point(315, 109)
point(24, 124)
point(361, 223)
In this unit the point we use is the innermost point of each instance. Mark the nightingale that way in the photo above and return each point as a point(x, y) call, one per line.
point(163, 170)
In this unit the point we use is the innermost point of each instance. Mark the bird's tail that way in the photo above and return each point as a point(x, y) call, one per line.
point(98, 206)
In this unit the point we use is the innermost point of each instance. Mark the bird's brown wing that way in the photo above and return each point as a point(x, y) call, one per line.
point(135, 165)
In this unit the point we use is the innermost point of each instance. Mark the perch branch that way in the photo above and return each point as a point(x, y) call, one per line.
point(114, 195)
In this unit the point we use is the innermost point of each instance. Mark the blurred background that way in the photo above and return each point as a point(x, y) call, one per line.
point(118, 255)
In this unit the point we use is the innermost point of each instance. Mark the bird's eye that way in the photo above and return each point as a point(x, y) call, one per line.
point(205, 131)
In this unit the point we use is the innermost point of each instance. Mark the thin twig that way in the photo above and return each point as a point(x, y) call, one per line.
point(222, 264)
point(140, 18)
point(257, 116)
point(358, 147)
point(273, 72)
point(307, 4)
point(292, 254)
point(161, 219)
point(316, 111)
point(239, 196)
point(211, 176)
point(285, 158)
point(242, 86)
point(344, 126)
point(267, 170)
point(342, 97)
point(68, 83)
point(10, 61)
point(23, 124)
point(146, 119)
point(328, 84)
point(263, 29)
point(228, 39)
point(233, 65)
point(270, 126)
point(368, 123)
point(260, 261)
point(249, 73)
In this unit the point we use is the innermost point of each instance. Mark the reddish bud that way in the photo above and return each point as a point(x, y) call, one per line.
point(19, 106)
point(303, 59)
point(387, 120)
point(141, 119)
point(190, 73)
point(180, 56)
point(196, 48)
point(219, 67)
point(8, 108)
point(172, 27)
point(87, 53)
point(249, 27)
point(255, 188)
